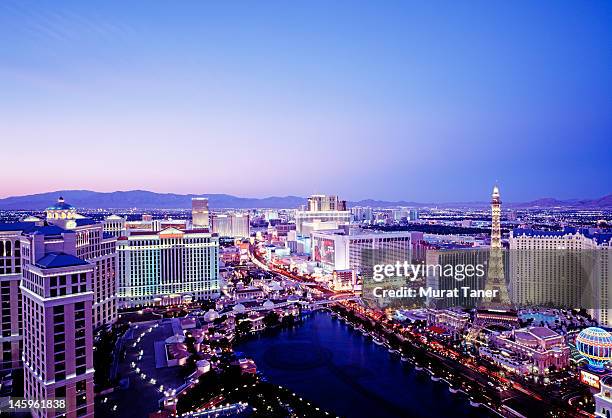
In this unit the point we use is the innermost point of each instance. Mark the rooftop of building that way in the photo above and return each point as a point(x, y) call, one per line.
point(61, 205)
point(198, 231)
point(85, 221)
point(248, 289)
point(49, 230)
point(359, 232)
point(17, 226)
point(511, 313)
point(137, 233)
point(57, 260)
point(600, 236)
point(450, 246)
point(542, 332)
point(32, 228)
point(31, 218)
point(169, 231)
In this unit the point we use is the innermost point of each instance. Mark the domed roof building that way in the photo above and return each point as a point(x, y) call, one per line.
point(239, 308)
point(211, 315)
point(275, 286)
point(61, 210)
point(268, 304)
point(595, 344)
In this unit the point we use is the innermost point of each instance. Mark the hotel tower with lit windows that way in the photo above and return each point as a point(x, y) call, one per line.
point(167, 267)
point(569, 268)
point(60, 286)
point(96, 247)
point(57, 322)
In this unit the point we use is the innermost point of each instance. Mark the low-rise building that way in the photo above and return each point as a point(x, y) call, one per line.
point(449, 319)
point(248, 293)
point(603, 399)
point(541, 347)
point(507, 318)
point(343, 280)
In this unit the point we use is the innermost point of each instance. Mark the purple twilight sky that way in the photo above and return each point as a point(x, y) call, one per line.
point(394, 100)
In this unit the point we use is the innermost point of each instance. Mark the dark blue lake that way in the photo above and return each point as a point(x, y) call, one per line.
point(325, 361)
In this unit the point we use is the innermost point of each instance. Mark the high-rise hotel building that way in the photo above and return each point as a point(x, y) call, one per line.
point(362, 214)
point(351, 248)
point(97, 247)
point(168, 266)
point(57, 283)
point(199, 212)
point(569, 268)
point(325, 210)
point(458, 256)
point(236, 225)
point(322, 203)
point(358, 251)
point(57, 322)
point(10, 295)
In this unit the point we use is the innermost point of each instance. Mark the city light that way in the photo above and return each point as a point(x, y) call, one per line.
point(213, 209)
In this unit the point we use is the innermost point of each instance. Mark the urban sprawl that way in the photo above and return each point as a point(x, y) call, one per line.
point(130, 313)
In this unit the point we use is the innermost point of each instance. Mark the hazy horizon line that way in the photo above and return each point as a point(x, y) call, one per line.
point(2, 197)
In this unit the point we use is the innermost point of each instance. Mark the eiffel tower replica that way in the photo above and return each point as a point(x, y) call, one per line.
point(496, 280)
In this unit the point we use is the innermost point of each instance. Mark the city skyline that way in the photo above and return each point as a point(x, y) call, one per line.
point(412, 101)
point(305, 209)
point(171, 307)
point(143, 199)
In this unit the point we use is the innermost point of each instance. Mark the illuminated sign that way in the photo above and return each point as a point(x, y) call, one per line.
point(589, 379)
point(324, 251)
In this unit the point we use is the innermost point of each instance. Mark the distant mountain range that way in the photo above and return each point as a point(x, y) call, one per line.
point(141, 199)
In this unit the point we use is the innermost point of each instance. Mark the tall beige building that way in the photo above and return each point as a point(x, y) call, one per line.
point(57, 323)
point(569, 268)
point(167, 267)
point(11, 336)
point(327, 211)
point(232, 224)
point(97, 247)
point(321, 202)
point(199, 212)
point(88, 242)
point(57, 283)
point(455, 257)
